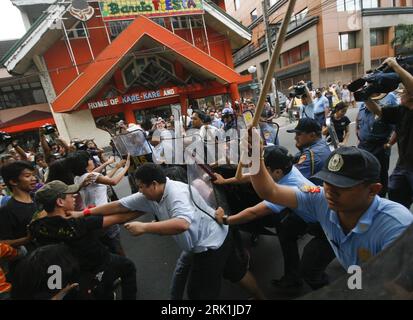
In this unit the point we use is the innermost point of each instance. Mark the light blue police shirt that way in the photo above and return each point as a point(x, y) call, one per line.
point(293, 179)
point(307, 111)
point(382, 223)
point(312, 159)
point(321, 104)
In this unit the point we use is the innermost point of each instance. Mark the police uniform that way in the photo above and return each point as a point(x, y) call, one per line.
point(317, 253)
point(373, 134)
point(312, 158)
point(401, 180)
point(382, 223)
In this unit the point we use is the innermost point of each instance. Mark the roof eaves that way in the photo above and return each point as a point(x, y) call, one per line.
point(48, 15)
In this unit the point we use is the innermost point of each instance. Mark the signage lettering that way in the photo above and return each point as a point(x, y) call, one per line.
point(133, 98)
point(116, 9)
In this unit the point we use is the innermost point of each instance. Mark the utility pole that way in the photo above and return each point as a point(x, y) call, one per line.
point(269, 50)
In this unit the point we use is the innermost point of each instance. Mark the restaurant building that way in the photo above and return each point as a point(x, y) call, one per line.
point(134, 59)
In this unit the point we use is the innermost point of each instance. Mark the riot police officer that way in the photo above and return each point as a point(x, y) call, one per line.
point(374, 134)
point(314, 151)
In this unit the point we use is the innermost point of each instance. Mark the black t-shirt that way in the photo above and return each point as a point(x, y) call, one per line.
point(340, 126)
point(403, 119)
point(15, 216)
point(80, 235)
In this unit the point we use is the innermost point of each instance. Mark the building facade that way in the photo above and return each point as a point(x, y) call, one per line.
point(134, 59)
point(327, 41)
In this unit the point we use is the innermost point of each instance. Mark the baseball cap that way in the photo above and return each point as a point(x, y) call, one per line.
point(306, 125)
point(347, 167)
point(53, 190)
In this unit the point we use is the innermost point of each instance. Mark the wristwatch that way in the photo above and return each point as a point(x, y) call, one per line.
point(225, 219)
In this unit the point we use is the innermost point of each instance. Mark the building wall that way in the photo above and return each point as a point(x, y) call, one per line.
point(63, 72)
point(328, 62)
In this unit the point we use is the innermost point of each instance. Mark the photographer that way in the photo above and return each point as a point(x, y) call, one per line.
point(401, 180)
point(307, 108)
point(57, 148)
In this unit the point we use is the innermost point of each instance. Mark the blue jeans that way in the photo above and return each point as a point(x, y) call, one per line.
point(180, 276)
point(401, 186)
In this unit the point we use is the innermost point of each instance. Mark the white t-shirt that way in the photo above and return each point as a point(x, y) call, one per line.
point(203, 234)
point(94, 194)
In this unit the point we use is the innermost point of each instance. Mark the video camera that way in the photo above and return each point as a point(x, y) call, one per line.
point(50, 132)
point(48, 129)
point(299, 89)
point(381, 80)
point(5, 141)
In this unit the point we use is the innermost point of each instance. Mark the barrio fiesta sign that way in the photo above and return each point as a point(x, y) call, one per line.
point(133, 98)
point(121, 9)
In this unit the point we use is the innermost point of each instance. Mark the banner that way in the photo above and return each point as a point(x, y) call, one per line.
point(133, 98)
point(129, 9)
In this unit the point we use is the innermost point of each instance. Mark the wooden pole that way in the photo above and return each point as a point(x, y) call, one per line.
point(270, 71)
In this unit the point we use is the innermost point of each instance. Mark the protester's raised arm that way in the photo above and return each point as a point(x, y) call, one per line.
point(267, 189)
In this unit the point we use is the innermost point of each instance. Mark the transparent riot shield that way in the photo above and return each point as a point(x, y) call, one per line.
point(135, 144)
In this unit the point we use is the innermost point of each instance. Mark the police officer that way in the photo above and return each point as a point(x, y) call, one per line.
point(280, 166)
point(401, 180)
point(313, 149)
point(374, 135)
point(358, 223)
point(321, 108)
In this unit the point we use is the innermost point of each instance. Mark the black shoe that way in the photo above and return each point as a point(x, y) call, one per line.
point(287, 283)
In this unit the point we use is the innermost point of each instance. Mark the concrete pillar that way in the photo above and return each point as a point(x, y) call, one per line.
point(79, 124)
point(366, 46)
point(315, 62)
point(233, 88)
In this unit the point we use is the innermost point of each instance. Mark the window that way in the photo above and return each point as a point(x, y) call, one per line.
point(272, 2)
point(78, 31)
point(368, 4)
point(295, 55)
point(196, 22)
point(130, 74)
point(180, 23)
point(298, 18)
point(160, 21)
point(347, 41)
point(348, 5)
point(377, 37)
point(166, 65)
point(116, 27)
point(254, 15)
point(237, 4)
point(132, 70)
point(21, 94)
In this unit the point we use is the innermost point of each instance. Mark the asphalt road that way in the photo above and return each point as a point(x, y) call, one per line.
point(155, 256)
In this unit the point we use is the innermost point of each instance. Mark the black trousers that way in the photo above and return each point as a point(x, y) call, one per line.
point(316, 256)
point(383, 156)
point(120, 267)
point(209, 267)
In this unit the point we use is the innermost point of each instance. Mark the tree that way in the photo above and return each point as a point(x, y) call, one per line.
point(404, 38)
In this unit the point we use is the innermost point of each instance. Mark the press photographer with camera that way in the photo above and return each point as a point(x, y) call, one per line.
point(302, 91)
point(401, 180)
point(53, 146)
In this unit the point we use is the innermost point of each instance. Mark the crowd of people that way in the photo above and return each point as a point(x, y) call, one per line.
point(59, 208)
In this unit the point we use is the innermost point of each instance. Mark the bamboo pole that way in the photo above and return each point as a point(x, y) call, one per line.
point(270, 71)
